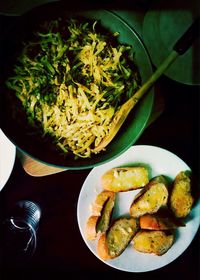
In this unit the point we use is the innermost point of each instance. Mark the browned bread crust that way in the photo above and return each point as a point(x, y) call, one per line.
point(102, 248)
point(90, 229)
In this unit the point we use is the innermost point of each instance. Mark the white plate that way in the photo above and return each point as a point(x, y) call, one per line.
point(161, 162)
point(7, 159)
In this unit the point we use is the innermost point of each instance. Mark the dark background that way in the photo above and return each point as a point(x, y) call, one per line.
point(61, 252)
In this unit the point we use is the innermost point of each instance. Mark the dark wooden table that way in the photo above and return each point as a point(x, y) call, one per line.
point(61, 251)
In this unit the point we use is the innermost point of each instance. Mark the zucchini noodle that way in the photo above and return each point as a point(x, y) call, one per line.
point(71, 79)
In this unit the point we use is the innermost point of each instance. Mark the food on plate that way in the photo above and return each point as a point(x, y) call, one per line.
point(125, 178)
point(71, 79)
point(102, 209)
point(154, 241)
point(158, 222)
point(100, 200)
point(151, 198)
point(159, 179)
point(155, 212)
point(181, 199)
point(90, 229)
point(112, 243)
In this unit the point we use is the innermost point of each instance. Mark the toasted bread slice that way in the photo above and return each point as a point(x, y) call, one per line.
point(112, 243)
point(104, 220)
point(157, 222)
point(99, 222)
point(152, 242)
point(150, 199)
point(181, 199)
point(100, 201)
point(125, 179)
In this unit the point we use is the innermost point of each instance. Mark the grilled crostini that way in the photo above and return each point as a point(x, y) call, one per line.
point(151, 198)
point(158, 222)
point(153, 242)
point(112, 243)
point(125, 179)
point(181, 199)
point(102, 209)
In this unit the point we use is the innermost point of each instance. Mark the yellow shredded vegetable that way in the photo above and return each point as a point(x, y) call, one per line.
point(71, 79)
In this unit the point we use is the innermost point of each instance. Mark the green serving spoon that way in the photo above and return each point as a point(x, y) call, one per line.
point(179, 48)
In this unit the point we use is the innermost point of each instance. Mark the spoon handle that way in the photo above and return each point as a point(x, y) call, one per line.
point(187, 39)
point(156, 75)
point(125, 109)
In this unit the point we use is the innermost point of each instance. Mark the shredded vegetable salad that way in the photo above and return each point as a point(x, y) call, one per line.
point(71, 79)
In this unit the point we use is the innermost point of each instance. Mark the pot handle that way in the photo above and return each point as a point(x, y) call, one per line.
point(187, 39)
